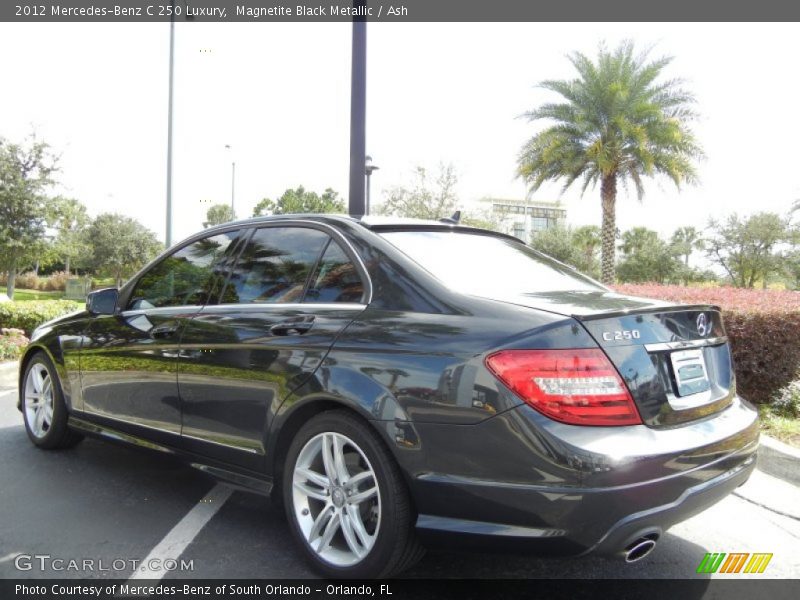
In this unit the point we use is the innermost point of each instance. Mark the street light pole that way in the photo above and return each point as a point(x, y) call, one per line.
point(233, 183)
point(169, 122)
point(358, 110)
point(233, 189)
point(369, 170)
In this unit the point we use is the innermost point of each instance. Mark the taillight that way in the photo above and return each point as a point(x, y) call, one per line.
point(580, 387)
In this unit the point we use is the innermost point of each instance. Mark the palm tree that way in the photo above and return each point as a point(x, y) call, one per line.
point(686, 240)
point(587, 239)
point(616, 124)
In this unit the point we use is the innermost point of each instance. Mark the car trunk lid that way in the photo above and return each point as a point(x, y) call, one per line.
point(675, 359)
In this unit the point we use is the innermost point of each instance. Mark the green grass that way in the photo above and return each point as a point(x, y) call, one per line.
point(30, 295)
point(784, 429)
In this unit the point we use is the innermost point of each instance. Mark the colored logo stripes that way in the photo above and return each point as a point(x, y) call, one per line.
point(736, 562)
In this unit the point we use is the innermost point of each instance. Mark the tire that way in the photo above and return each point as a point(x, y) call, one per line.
point(367, 504)
point(43, 408)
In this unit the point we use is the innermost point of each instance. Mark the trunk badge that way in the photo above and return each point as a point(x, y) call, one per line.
point(703, 326)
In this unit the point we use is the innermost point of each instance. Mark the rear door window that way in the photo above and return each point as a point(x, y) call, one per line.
point(274, 266)
point(335, 279)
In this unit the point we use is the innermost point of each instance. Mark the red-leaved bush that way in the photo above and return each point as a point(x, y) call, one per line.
point(763, 327)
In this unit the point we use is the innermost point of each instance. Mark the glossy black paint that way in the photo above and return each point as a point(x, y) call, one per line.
point(227, 385)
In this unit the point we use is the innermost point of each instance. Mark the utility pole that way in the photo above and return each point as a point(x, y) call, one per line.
point(358, 110)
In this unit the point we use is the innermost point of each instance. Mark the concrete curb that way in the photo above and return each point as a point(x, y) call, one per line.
point(779, 460)
point(8, 374)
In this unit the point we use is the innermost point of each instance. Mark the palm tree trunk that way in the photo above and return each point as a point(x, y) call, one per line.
point(608, 191)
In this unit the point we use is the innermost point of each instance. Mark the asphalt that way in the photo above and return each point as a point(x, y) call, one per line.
point(105, 502)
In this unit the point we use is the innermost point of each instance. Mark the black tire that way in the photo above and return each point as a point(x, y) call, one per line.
point(58, 435)
point(395, 547)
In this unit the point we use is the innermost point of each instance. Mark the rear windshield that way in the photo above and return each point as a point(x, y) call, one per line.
point(483, 265)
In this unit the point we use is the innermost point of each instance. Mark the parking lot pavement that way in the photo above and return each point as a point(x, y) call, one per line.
point(100, 501)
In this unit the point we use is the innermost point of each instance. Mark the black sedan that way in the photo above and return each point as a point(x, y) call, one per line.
point(402, 383)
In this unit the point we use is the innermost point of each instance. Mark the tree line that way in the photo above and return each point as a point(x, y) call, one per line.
point(748, 251)
point(39, 230)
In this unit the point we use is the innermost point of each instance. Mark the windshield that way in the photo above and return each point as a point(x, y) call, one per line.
point(484, 265)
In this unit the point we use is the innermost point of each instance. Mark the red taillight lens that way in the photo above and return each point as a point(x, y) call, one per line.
point(580, 387)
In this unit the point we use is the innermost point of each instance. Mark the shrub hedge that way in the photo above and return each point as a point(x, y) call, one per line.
point(763, 327)
point(12, 342)
point(29, 315)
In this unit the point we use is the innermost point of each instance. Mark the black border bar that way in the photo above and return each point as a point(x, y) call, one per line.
point(131, 11)
point(401, 589)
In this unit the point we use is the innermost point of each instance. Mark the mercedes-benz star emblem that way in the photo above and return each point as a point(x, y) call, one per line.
point(703, 326)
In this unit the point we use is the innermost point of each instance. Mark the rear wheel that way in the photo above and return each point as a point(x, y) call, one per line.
point(43, 406)
point(346, 500)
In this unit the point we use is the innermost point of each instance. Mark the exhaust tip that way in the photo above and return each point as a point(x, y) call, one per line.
point(639, 549)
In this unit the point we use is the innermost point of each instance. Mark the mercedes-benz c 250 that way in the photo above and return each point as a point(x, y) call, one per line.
point(394, 384)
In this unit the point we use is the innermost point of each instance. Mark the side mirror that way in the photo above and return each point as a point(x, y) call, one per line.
point(102, 302)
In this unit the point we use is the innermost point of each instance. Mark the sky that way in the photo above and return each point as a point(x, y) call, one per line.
point(279, 95)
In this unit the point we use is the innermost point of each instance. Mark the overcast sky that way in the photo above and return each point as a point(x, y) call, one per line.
point(279, 95)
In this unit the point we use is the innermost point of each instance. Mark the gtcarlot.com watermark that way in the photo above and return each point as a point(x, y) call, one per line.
point(46, 562)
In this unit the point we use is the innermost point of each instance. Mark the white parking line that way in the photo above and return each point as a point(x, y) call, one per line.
point(180, 536)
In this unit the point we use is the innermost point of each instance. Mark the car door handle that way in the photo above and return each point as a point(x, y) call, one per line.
point(163, 331)
point(297, 326)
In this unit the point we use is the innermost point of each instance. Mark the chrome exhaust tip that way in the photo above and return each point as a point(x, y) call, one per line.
point(639, 549)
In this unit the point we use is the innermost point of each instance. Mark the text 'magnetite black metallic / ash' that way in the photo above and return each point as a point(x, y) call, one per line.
point(399, 383)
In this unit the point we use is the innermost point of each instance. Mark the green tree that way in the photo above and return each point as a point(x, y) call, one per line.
point(218, 214)
point(588, 241)
point(69, 219)
point(569, 246)
point(647, 258)
point(425, 198)
point(686, 240)
point(301, 201)
point(791, 268)
point(120, 246)
point(618, 123)
point(26, 171)
point(749, 249)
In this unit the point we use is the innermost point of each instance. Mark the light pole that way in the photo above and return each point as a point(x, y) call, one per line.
point(170, 101)
point(370, 168)
point(169, 122)
point(358, 110)
point(233, 183)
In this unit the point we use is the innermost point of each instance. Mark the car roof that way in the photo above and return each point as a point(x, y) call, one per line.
point(377, 223)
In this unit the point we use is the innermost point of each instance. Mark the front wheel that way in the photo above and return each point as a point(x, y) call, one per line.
point(346, 500)
point(43, 406)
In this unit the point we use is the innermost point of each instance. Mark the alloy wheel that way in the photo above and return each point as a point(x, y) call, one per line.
point(336, 499)
point(39, 400)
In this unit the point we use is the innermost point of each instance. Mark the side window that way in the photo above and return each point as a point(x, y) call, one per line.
point(187, 277)
point(274, 266)
point(336, 279)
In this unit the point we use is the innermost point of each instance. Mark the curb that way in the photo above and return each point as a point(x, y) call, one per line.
point(779, 460)
point(8, 374)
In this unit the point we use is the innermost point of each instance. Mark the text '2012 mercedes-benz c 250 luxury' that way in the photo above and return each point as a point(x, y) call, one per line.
point(398, 383)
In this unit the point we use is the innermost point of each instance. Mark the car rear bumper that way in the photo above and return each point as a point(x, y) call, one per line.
point(592, 503)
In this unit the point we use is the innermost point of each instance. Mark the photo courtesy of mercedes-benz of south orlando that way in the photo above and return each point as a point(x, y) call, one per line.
point(396, 384)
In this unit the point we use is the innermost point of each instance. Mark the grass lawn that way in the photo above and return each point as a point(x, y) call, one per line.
point(784, 429)
point(26, 295)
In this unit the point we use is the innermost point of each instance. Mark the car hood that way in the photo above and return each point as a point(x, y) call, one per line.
point(48, 326)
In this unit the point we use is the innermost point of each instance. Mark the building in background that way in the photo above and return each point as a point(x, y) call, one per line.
point(511, 216)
